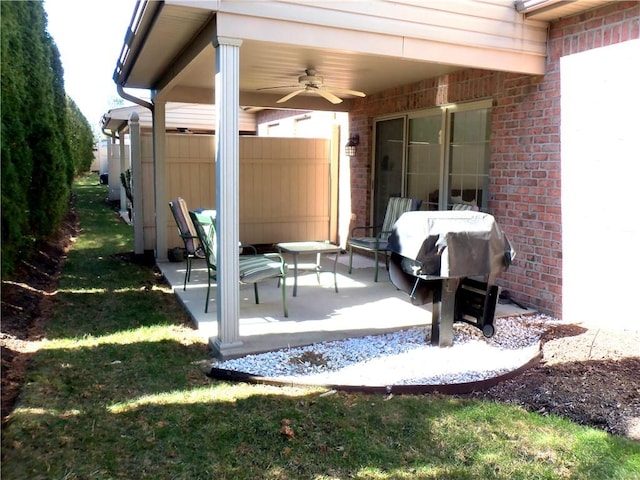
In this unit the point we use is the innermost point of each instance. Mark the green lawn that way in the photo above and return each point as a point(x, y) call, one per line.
point(117, 391)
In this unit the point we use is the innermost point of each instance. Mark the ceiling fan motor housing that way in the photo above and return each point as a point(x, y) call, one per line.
point(310, 82)
point(313, 80)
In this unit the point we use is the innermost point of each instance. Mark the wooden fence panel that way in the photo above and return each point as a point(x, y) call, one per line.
point(285, 186)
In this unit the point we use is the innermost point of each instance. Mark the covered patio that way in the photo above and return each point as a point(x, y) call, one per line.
point(432, 64)
point(317, 314)
point(246, 54)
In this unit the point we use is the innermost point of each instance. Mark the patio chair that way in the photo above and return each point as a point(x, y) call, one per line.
point(377, 237)
point(254, 267)
point(188, 234)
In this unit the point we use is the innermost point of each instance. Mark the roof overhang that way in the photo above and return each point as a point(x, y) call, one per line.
point(179, 117)
point(366, 46)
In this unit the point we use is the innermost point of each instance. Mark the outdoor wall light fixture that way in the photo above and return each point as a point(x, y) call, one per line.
point(351, 147)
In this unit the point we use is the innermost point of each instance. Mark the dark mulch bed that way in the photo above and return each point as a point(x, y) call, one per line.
point(590, 375)
point(28, 300)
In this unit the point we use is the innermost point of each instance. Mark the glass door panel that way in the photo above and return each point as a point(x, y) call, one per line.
point(424, 159)
point(469, 157)
point(388, 165)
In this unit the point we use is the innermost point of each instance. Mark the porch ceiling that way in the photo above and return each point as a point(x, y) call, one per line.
point(366, 46)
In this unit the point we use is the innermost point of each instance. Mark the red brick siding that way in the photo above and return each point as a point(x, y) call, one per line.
point(524, 187)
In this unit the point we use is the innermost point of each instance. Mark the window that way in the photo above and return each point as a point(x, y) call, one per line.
point(444, 156)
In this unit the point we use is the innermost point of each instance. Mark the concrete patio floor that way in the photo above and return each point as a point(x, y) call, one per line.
point(317, 314)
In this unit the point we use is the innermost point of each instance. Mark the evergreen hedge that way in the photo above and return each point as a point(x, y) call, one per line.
point(45, 140)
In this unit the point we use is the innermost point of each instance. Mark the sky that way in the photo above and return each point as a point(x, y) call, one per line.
point(89, 35)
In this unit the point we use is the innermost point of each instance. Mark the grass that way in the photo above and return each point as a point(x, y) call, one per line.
point(117, 391)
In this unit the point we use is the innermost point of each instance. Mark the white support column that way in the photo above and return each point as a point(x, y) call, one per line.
point(135, 157)
point(123, 168)
point(227, 95)
point(109, 151)
point(161, 203)
point(110, 168)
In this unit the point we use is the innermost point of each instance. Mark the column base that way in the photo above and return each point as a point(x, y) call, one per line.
point(226, 350)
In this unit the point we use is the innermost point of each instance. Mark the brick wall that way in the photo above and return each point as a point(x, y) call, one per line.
point(524, 189)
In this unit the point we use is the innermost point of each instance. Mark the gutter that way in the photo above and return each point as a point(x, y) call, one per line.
point(532, 7)
point(134, 42)
point(111, 132)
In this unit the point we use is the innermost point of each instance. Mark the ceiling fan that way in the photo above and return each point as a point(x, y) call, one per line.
point(310, 82)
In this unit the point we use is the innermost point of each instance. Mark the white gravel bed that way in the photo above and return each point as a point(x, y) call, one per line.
point(403, 358)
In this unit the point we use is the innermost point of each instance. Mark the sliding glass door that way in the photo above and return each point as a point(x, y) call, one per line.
point(440, 156)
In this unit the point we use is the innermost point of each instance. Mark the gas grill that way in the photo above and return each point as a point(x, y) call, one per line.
point(450, 258)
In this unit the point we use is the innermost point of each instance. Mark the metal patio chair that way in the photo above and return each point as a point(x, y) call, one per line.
point(376, 236)
point(254, 267)
point(188, 234)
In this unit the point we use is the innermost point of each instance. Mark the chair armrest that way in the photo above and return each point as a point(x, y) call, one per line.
point(383, 234)
point(253, 249)
point(280, 258)
point(195, 248)
point(365, 228)
point(274, 255)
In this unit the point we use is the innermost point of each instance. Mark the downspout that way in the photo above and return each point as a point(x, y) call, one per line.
point(138, 24)
point(128, 55)
point(131, 98)
point(111, 132)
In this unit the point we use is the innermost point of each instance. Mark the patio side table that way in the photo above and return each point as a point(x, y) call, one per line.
point(304, 248)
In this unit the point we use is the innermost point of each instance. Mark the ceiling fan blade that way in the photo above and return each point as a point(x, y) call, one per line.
point(279, 86)
point(347, 91)
point(290, 96)
point(328, 95)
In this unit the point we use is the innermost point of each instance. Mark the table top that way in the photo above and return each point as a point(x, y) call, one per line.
point(308, 247)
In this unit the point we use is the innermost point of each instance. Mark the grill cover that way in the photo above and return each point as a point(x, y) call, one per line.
point(450, 244)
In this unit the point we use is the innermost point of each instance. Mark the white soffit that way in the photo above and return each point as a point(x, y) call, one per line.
point(367, 46)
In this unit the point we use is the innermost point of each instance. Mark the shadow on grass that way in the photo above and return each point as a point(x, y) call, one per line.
point(100, 313)
point(104, 420)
